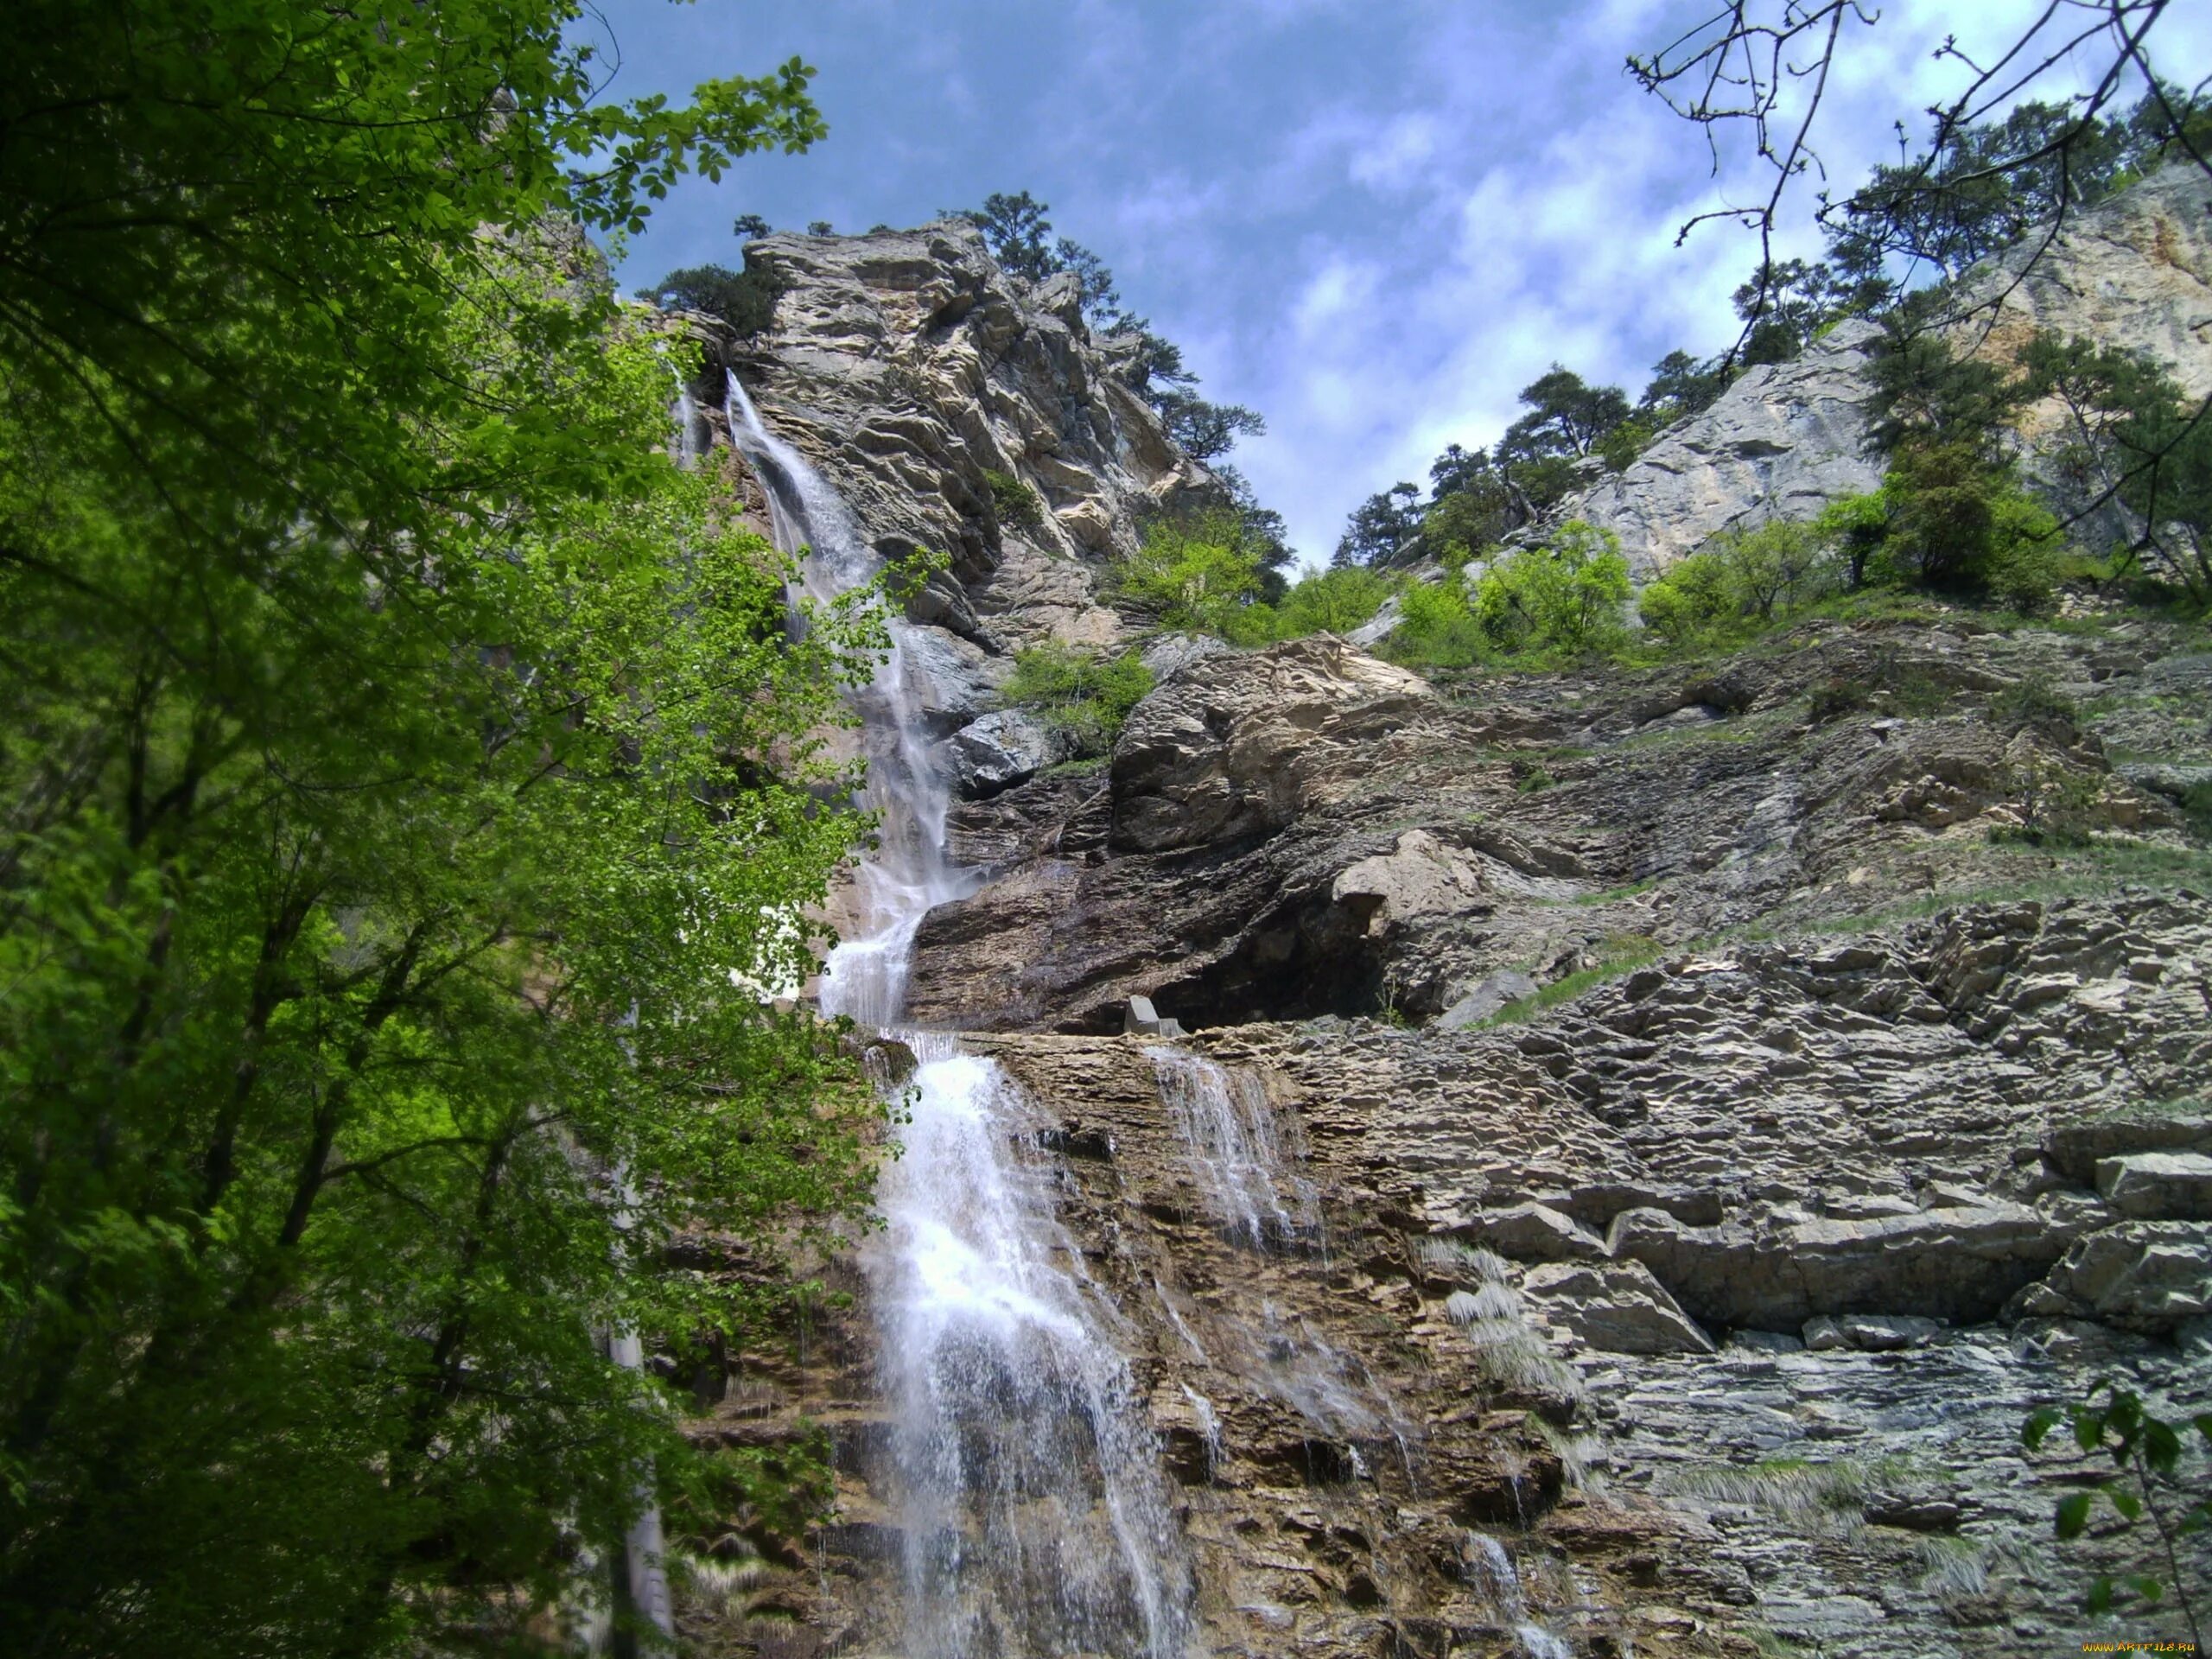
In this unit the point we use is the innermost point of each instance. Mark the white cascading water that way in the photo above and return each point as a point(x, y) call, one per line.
point(909, 874)
point(1031, 1509)
point(1224, 1122)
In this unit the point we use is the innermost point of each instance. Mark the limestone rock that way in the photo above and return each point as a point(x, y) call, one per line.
point(1244, 746)
point(2134, 272)
point(1782, 442)
point(1618, 1309)
point(1486, 998)
point(906, 367)
point(2158, 1185)
point(2142, 1276)
point(997, 752)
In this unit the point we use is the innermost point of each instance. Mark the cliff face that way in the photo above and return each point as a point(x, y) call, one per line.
point(2134, 272)
point(1846, 1104)
point(909, 369)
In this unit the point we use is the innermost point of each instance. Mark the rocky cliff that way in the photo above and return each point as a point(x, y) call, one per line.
point(1647, 1138)
point(2134, 272)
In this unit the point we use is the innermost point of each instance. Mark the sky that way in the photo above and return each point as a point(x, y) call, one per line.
point(1373, 221)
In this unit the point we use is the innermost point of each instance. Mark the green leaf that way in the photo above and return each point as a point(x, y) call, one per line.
point(2161, 1445)
point(2040, 1422)
point(2125, 1501)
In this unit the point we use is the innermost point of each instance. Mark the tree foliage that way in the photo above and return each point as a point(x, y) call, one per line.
point(1565, 597)
point(1200, 572)
point(746, 300)
point(1382, 528)
point(2147, 1453)
point(408, 793)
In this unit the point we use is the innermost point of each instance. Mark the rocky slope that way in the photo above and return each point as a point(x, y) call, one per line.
point(1703, 1110)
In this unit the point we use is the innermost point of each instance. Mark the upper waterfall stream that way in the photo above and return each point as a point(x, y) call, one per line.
point(1031, 1506)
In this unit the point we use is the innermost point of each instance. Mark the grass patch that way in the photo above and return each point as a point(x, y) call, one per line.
point(1509, 1356)
point(1620, 954)
point(1084, 695)
point(1470, 1264)
point(1613, 895)
point(1813, 1495)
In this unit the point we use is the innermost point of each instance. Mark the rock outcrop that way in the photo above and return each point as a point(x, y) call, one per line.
point(1782, 442)
point(1305, 831)
point(962, 411)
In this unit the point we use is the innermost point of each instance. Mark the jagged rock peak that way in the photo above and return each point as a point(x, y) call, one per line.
point(910, 370)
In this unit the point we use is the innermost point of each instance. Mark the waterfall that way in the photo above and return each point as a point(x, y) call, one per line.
point(1035, 1523)
point(1229, 1132)
point(1030, 1502)
point(866, 975)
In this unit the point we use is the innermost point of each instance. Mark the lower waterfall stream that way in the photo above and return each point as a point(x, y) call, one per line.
point(1031, 1504)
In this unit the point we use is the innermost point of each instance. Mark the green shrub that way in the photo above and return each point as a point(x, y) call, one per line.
point(2035, 701)
point(1085, 694)
point(1436, 629)
point(1689, 598)
point(1739, 576)
point(1201, 575)
point(1332, 602)
point(1013, 503)
point(1855, 529)
point(1566, 598)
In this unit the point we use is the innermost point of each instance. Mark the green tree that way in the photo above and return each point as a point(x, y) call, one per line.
point(744, 299)
point(1332, 602)
point(406, 795)
point(1680, 386)
point(1383, 529)
point(1566, 417)
point(1205, 431)
point(2137, 437)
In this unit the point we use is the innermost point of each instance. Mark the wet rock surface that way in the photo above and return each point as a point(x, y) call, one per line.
point(1305, 830)
point(1710, 1302)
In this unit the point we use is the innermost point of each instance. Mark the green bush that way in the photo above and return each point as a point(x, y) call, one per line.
point(1201, 575)
point(1332, 602)
point(1836, 696)
point(2035, 701)
point(1013, 503)
point(1436, 629)
point(1739, 576)
point(1690, 598)
point(1948, 519)
point(1085, 694)
point(1564, 599)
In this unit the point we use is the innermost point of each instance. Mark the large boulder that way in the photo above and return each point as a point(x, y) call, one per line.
point(1245, 744)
